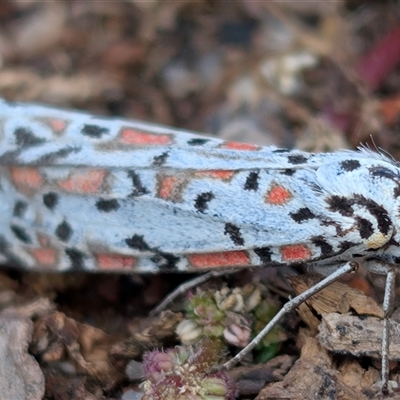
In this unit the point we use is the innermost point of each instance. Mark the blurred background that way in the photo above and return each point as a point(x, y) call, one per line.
point(312, 75)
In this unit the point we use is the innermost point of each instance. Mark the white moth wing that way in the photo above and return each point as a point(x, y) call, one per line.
point(125, 188)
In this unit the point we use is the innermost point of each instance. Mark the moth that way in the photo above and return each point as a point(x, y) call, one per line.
point(80, 192)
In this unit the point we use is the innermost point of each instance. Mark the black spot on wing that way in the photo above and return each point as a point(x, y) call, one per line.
point(234, 233)
point(25, 138)
point(380, 213)
point(278, 151)
point(297, 159)
point(107, 205)
point(288, 172)
point(350, 165)
point(382, 172)
point(94, 131)
point(50, 200)
point(386, 173)
point(202, 200)
point(64, 231)
point(197, 141)
point(264, 253)
point(340, 204)
point(159, 161)
point(326, 248)
point(56, 155)
point(138, 188)
point(19, 208)
point(301, 215)
point(137, 242)
point(10, 157)
point(345, 205)
point(21, 234)
point(364, 227)
point(165, 261)
point(77, 258)
point(346, 245)
point(252, 181)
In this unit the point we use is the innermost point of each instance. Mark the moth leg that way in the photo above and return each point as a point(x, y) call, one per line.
point(388, 303)
point(288, 307)
point(181, 289)
point(383, 268)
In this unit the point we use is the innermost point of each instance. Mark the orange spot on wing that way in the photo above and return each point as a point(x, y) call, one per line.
point(296, 252)
point(134, 137)
point(239, 146)
point(115, 262)
point(167, 187)
point(215, 260)
point(26, 177)
point(58, 125)
point(87, 181)
point(218, 174)
point(278, 195)
point(45, 256)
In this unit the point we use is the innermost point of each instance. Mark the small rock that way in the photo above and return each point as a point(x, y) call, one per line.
point(132, 395)
point(20, 375)
point(134, 370)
